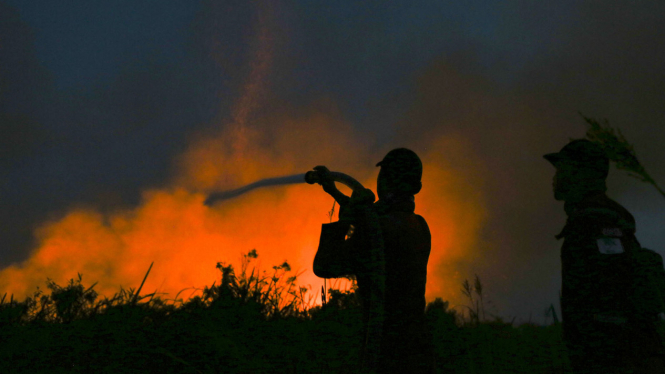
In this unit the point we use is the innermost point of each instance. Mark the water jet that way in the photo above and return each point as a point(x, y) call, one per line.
point(310, 177)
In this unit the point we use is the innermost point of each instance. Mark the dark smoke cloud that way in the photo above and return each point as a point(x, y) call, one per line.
point(101, 144)
point(24, 89)
point(507, 77)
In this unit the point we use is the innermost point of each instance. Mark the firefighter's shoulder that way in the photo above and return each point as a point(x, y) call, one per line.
point(649, 258)
point(595, 221)
point(606, 216)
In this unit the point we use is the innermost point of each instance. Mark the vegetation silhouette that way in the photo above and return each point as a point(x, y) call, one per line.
point(251, 322)
point(618, 150)
point(255, 322)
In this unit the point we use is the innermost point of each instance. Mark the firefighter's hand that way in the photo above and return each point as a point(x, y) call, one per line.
point(359, 199)
point(325, 179)
point(363, 196)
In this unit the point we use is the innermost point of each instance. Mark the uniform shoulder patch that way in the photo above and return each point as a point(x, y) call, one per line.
point(609, 245)
point(614, 232)
point(610, 242)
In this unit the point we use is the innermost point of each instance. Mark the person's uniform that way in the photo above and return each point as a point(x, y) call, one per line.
point(608, 325)
point(405, 342)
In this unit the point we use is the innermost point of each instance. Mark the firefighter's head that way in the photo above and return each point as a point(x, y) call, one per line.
point(581, 168)
point(400, 173)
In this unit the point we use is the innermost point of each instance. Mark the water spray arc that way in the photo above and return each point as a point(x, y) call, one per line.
point(310, 177)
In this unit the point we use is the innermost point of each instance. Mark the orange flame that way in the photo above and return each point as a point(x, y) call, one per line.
point(186, 239)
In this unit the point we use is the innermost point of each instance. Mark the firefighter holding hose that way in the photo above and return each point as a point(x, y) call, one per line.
point(387, 251)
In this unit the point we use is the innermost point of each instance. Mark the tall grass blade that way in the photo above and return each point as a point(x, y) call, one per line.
point(618, 150)
point(136, 296)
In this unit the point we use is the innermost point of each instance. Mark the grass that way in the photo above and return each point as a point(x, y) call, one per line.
point(480, 345)
point(248, 323)
point(618, 150)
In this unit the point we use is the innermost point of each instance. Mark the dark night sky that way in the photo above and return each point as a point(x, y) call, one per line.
point(98, 98)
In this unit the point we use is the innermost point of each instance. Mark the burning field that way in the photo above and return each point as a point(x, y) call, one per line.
point(120, 120)
point(185, 238)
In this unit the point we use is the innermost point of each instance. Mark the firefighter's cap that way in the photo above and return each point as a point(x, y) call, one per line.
point(581, 153)
point(404, 161)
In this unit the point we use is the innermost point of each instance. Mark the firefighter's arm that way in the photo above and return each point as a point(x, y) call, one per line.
point(342, 251)
point(328, 184)
point(332, 258)
point(338, 254)
point(577, 280)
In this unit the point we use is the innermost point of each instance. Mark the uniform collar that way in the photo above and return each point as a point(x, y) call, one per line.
point(570, 207)
point(403, 203)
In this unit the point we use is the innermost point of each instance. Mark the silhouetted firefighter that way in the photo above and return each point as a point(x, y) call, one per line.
point(609, 309)
point(394, 280)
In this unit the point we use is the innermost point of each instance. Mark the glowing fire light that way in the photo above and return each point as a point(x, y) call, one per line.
point(186, 239)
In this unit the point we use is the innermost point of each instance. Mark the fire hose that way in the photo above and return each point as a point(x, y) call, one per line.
point(375, 268)
point(376, 262)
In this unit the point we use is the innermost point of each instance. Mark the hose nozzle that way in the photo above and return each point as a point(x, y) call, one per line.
point(312, 177)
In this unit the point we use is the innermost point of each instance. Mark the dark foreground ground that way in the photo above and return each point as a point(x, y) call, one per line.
point(246, 324)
